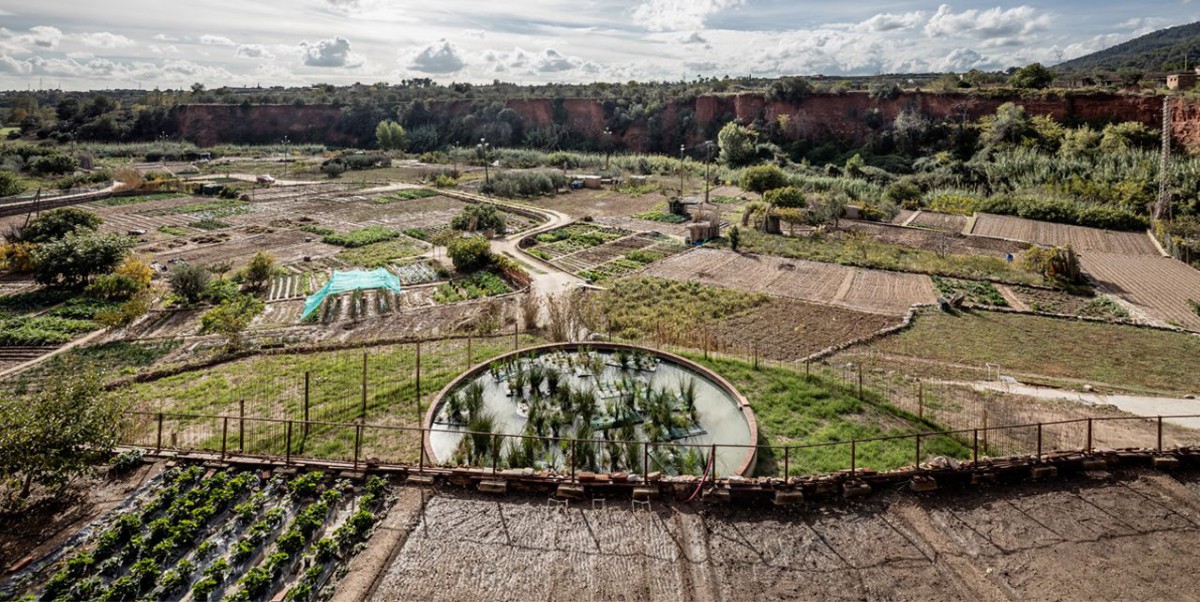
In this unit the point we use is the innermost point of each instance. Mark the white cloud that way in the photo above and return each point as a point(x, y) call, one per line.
point(693, 38)
point(104, 39)
point(549, 60)
point(214, 40)
point(38, 36)
point(440, 57)
point(992, 23)
point(962, 59)
point(890, 22)
point(254, 51)
point(679, 15)
point(162, 37)
point(330, 53)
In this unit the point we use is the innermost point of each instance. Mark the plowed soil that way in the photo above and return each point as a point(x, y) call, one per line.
point(1128, 538)
point(1079, 237)
point(1159, 286)
point(860, 289)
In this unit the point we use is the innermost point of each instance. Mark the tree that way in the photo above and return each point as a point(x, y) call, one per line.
point(788, 89)
point(788, 196)
point(389, 135)
point(231, 318)
point(1117, 137)
point(735, 238)
point(469, 253)
point(57, 223)
point(77, 257)
point(1010, 125)
point(260, 270)
point(762, 178)
point(1033, 76)
point(57, 434)
point(904, 192)
point(479, 217)
point(189, 282)
point(10, 185)
point(737, 144)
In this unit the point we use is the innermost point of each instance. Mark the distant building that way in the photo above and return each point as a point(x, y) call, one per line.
point(1185, 80)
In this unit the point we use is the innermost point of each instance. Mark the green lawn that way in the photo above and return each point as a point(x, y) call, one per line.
point(1124, 357)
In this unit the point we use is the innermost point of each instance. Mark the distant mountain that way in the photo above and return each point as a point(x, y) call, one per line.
point(1162, 50)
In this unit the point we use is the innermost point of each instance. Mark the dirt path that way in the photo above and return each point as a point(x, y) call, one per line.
point(1138, 405)
point(365, 569)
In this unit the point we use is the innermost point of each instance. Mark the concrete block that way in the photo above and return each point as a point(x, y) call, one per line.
point(493, 486)
point(854, 489)
point(644, 493)
point(1043, 472)
point(575, 492)
point(980, 478)
point(923, 484)
point(788, 498)
point(421, 480)
point(1166, 462)
point(1095, 464)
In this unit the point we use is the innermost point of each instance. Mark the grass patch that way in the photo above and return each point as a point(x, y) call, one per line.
point(410, 194)
point(32, 301)
point(583, 235)
point(637, 306)
point(1104, 308)
point(1123, 357)
point(173, 230)
point(725, 199)
point(213, 209)
point(119, 201)
point(361, 237)
point(475, 286)
point(659, 215)
point(975, 291)
point(318, 230)
point(868, 253)
point(113, 358)
point(379, 254)
point(45, 330)
point(81, 308)
point(792, 409)
point(208, 223)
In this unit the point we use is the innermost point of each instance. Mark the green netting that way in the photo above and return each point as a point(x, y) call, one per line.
point(342, 282)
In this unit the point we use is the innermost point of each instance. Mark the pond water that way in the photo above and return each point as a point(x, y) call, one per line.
point(592, 394)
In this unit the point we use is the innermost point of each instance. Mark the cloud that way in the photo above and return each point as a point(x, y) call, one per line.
point(891, 22)
point(962, 59)
point(104, 39)
point(549, 60)
point(693, 38)
point(213, 40)
point(162, 37)
point(985, 24)
point(679, 15)
point(12, 66)
point(333, 52)
point(438, 57)
point(40, 36)
point(254, 51)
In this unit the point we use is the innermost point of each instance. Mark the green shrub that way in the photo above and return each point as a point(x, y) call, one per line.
point(469, 253)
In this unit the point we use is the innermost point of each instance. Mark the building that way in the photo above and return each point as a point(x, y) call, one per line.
point(1184, 80)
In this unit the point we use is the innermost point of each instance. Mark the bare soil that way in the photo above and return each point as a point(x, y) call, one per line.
point(932, 240)
point(860, 289)
point(599, 203)
point(1079, 237)
point(1126, 538)
point(787, 329)
point(1160, 286)
point(938, 221)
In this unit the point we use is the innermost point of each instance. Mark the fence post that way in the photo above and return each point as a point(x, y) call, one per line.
point(224, 435)
point(920, 399)
point(713, 461)
point(287, 452)
point(756, 356)
point(787, 460)
point(362, 413)
point(1089, 435)
point(421, 464)
point(573, 452)
point(646, 463)
point(469, 363)
point(306, 378)
point(985, 430)
point(918, 457)
point(495, 452)
point(516, 335)
point(418, 399)
point(860, 381)
point(853, 457)
point(975, 450)
point(158, 441)
point(1160, 434)
point(1039, 442)
point(357, 443)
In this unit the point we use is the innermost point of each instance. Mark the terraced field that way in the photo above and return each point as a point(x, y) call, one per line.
point(1159, 286)
point(1079, 237)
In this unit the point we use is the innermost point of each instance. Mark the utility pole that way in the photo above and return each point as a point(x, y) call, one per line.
point(707, 162)
point(483, 152)
point(1162, 209)
point(607, 147)
point(682, 148)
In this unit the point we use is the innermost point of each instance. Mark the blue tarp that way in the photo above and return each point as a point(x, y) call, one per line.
point(343, 282)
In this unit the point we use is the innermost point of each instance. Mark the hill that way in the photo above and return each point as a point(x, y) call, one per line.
point(1162, 50)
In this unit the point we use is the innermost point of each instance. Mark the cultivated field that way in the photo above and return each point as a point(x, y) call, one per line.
point(945, 222)
point(1127, 539)
point(1159, 286)
point(934, 240)
point(1079, 237)
point(860, 289)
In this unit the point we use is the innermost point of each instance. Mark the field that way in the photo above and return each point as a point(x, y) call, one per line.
point(855, 288)
point(945, 222)
point(933, 240)
point(599, 203)
point(1079, 237)
point(1062, 541)
point(1042, 349)
point(1160, 287)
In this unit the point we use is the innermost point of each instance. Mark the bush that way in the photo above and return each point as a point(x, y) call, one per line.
point(57, 223)
point(53, 164)
point(231, 318)
point(189, 282)
point(76, 258)
point(10, 185)
point(516, 184)
point(762, 178)
point(479, 217)
point(469, 253)
point(260, 270)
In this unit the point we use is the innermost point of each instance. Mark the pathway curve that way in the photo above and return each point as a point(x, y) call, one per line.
point(1138, 405)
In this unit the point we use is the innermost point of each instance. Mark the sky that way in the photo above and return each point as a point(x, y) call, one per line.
point(170, 44)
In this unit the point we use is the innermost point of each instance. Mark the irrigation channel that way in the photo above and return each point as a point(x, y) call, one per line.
point(593, 407)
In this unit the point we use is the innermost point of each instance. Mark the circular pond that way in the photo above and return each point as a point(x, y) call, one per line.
point(610, 407)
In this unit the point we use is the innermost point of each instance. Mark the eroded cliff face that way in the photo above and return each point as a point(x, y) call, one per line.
point(844, 117)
